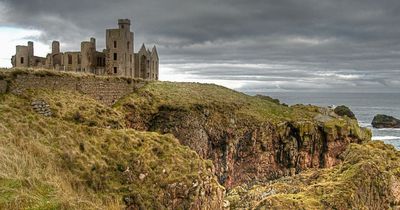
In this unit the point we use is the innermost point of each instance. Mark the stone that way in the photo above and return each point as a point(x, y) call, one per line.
point(142, 176)
point(344, 111)
point(3, 86)
point(385, 121)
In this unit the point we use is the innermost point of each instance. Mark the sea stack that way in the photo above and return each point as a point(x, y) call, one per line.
point(385, 121)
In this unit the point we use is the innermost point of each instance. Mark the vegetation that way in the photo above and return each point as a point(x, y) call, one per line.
point(186, 96)
point(71, 162)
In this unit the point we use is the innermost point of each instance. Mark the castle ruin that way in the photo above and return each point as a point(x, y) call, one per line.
point(118, 59)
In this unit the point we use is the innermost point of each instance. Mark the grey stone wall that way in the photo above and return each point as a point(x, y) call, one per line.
point(107, 90)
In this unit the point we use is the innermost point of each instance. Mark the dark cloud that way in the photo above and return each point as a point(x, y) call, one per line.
point(287, 44)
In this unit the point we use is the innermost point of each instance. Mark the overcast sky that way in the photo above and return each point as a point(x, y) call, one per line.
point(251, 45)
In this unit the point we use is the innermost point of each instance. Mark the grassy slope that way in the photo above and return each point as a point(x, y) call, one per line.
point(187, 95)
point(74, 162)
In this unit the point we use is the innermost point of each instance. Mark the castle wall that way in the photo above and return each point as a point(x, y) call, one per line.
point(104, 89)
point(71, 61)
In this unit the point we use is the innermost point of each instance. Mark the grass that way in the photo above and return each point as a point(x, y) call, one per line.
point(62, 163)
point(191, 96)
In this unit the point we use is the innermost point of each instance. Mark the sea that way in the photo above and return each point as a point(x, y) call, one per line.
point(364, 105)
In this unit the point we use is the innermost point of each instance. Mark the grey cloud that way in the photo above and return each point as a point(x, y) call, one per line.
point(329, 44)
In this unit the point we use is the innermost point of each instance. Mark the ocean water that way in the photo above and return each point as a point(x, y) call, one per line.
point(364, 105)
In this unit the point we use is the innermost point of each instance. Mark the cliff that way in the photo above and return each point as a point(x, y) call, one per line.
point(368, 178)
point(247, 138)
point(180, 146)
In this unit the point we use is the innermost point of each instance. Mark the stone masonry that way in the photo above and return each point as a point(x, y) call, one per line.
point(118, 59)
point(106, 90)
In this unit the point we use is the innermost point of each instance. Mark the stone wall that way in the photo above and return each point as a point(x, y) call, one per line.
point(107, 90)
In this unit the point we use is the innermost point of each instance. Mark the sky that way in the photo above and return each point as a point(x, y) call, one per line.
point(249, 45)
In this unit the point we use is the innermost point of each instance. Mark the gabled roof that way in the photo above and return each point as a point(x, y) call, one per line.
point(154, 52)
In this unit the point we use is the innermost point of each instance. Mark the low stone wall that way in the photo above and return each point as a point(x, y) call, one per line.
point(107, 90)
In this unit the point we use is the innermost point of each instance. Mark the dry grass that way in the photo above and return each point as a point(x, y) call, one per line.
point(57, 163)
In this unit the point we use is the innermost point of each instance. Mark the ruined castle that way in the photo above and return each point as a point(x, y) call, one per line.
point(118, 59)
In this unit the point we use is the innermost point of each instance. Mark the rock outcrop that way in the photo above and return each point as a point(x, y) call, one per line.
point(345, 111)
point(385, 121)
point(247, 138)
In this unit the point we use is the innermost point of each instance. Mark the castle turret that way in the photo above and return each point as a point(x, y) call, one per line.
point(55, 47)
point(124, 24)
point(30, 49)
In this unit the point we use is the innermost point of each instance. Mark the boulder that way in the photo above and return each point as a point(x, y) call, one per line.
point(344, 111)
point(385, 121)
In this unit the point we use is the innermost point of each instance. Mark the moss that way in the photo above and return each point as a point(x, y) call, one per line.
point(362, 181)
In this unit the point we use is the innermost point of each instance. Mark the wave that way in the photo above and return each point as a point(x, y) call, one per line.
point(388, 129)
point(386, 138)
point(364, 124)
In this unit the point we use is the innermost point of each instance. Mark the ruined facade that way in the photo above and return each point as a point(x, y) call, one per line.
point(118, 59)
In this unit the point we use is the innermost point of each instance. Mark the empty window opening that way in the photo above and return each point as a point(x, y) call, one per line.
point(22, 60)
point(69, 59)
point(115, 70)
point(79, 60)
point(129, 43)
point(115, 56)
point(115, 44)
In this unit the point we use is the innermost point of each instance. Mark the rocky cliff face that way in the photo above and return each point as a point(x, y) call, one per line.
point(367, 178)
point(247, 138)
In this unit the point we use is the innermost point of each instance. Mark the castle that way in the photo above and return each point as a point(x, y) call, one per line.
point(118, 59)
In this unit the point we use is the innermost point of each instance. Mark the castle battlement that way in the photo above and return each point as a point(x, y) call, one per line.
point(118, 59)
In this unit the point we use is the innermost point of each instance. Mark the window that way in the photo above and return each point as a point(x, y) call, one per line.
point(69, 59)
point(115, 44)
point(79, 59)
point(115, 56)
point(128, 45)
point(115, 70)
point(22, 60)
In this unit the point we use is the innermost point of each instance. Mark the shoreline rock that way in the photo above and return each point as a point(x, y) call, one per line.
point(385, 121)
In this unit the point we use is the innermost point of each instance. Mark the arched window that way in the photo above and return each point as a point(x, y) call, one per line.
point(22, 60)
point(128, 44)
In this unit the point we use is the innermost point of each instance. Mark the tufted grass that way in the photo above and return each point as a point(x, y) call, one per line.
point(59, 163)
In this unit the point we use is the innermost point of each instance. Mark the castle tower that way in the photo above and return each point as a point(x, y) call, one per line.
point(88, 53)
point(23, 55)
point(119, 50)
